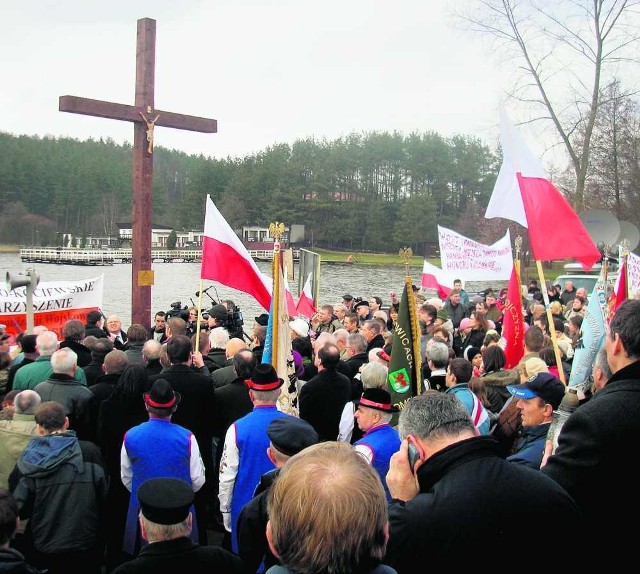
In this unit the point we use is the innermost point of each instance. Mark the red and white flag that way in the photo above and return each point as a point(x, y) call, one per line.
point(305, 304)
point(524, 193)
point(435, 278)
point(620, 291)
point(226, 260)
point(513, 322)
point(291, 306)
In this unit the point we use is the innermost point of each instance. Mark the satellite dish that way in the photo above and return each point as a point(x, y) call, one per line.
point(629, 232)
point(602, 226)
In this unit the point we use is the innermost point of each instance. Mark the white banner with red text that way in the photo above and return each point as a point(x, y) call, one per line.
point(54, 302)
point(469, 260)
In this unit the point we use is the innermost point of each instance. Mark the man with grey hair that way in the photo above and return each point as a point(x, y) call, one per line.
point(15, 434)
point(216, 358)
point(341, 342)
point(40, 370)
point(357, 356)
point(78, 401)
point(601, 371)
point(437, 360)
point(445, 470)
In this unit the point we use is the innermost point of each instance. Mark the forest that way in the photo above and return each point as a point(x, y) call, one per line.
point(373, 192)
point(369, 192)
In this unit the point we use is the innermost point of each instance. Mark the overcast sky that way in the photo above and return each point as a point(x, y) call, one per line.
point(270, 71)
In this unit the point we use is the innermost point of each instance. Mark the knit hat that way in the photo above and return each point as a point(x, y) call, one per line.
point(299, 326)
point(442, 314)
point(471, 352)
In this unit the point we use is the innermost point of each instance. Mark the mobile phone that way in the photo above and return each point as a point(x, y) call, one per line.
point(414, 452)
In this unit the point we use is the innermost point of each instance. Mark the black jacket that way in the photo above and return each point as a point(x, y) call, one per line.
point(253, 546)
point(181, 555)
point(63, 481)
point(322, 400)
point(471, 500)
point(596, 447)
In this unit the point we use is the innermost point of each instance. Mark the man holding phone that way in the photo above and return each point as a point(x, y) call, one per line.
point(461, 498)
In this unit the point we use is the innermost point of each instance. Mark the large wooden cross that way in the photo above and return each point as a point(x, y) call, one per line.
point(144, 117)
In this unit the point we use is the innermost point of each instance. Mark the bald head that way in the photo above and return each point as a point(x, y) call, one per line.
point(233, 346)
point(115, 361)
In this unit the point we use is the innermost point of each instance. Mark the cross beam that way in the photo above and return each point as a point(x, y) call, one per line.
point(144, 117)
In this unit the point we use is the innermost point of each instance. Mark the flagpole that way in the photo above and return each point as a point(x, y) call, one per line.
point(276, 230)
point(199, 315)
point(407, 254)
point(552, 329)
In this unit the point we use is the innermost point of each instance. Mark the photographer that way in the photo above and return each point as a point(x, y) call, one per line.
point(227, 315)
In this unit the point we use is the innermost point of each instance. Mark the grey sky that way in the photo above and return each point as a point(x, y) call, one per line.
point(269, 71)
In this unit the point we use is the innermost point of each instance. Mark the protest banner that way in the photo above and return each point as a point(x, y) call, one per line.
point(469, 260)
point(54, 302)
point(633, 275)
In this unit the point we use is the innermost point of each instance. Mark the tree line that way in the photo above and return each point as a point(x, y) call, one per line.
point(376, 191)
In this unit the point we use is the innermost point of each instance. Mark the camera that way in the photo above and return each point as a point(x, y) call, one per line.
point(177, 310)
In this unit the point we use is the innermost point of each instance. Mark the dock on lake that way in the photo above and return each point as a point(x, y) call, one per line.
point(64, 256)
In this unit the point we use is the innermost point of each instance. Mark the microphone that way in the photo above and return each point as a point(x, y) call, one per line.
point(204, 291)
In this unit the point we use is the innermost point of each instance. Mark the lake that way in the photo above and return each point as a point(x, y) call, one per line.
point(180, 281)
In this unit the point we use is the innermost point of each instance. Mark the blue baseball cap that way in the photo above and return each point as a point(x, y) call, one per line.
point(543, 385)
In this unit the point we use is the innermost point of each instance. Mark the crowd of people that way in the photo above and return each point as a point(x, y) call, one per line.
point(151, 449)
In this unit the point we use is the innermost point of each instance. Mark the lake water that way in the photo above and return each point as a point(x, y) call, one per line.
point(180, 282)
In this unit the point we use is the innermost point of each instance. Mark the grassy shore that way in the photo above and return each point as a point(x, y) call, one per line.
point(6, 248)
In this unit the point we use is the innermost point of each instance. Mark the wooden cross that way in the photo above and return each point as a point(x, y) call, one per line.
point(144, 117)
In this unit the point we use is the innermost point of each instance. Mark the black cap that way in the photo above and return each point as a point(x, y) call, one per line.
point(347, 297)
point(165, 500)
point(544, 385)
point(361, 304)
point(218, 311)
point(289, 435)
point(262, 319)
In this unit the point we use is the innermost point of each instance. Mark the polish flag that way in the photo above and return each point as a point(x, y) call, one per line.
point(226, 260)
point(620, 291)
point(513, 322)
point(305, 303)
point(435, 278)
point(524, 193)
point(291, 306)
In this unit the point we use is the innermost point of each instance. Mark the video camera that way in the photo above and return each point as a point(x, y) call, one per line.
point(177, 310)
point(234, 322)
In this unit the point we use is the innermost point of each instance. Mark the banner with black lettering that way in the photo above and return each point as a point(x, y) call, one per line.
point(54, 302)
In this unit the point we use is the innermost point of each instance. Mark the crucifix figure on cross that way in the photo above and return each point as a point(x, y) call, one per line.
point(142, 275)
point(150, 124)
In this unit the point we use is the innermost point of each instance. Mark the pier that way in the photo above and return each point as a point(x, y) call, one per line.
point(61, 256)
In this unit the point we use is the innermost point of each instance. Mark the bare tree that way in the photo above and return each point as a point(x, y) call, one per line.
point(563, 51)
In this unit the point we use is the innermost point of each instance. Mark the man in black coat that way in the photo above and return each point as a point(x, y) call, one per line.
point(466, 498)
point(287, 436)
point(93, 325)
point(322, 399)
point(372, 332)
point(164, 502)
point(594, 460)
point(196, 408)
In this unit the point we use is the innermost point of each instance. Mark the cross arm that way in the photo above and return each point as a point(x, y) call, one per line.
point(111, 110)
